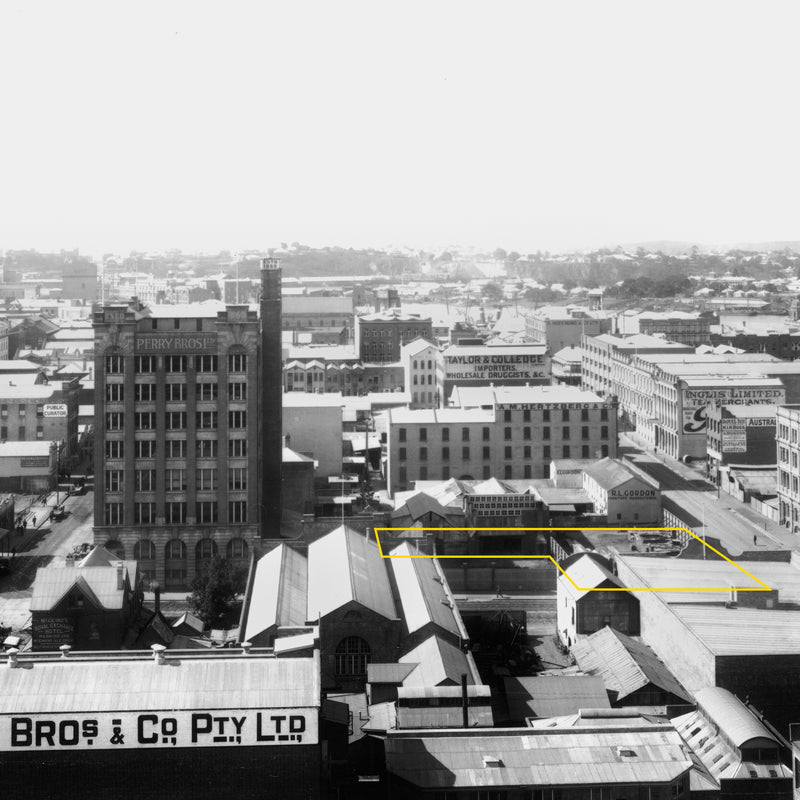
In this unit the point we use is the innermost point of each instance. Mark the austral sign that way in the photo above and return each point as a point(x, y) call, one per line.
point(158, 729)
point(175, 343)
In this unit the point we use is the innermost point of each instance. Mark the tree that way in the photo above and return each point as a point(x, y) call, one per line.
point(492, 292)
point(215, 589)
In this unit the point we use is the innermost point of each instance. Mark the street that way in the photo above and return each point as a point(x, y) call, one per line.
point(732, 522)
point(38, 548)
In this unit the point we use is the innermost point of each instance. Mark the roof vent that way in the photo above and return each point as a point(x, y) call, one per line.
point(446, 602)
point(246, 648)
point(623, 752)
point(492, 761)
point(158, 653)
point(437, 579)
point(65, 648)
point(12, 658)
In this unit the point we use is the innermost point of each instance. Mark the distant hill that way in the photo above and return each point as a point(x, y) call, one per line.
point(683, 248)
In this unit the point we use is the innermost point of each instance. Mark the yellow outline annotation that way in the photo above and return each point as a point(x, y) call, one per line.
point(763, 586)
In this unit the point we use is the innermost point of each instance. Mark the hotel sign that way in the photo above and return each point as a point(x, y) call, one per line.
point(175, 343)
point(128, 730)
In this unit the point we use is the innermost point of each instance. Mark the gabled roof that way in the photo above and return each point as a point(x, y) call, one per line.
point(423, 592)
point(437, 662)
point(344, 567)
point(418, 505)
point(609, 473)
point(97, 584)
point(587, 575)
point(624, 664)
point(278, 596)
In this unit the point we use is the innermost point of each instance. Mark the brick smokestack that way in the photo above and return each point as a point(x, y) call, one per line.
point(272, 398)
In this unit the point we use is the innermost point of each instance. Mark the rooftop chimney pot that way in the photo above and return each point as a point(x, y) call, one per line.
point(65, 648)
point(158, 653)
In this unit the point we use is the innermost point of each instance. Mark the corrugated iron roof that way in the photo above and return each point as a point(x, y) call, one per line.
point(344, 567)
point(98, 584)
point(202, 682)
point(743, 631)
point(731, 715)
point(389, 673)
point(610, 473)
point(279, 591)
point(625, 665)
point(553, 696)
point(587, 574)
point(536, 758)
point(423, 592)
point(438, 661)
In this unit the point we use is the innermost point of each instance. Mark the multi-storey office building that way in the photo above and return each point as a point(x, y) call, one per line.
point(504, 432)
point(176, 436)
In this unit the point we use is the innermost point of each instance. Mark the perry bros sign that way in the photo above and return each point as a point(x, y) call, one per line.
point(158, 729)
point(175, 343)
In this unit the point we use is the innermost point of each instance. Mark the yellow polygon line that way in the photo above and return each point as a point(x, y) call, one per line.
point(764, 586)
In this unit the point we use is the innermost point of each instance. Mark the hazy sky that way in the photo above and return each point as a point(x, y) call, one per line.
point(524, 125)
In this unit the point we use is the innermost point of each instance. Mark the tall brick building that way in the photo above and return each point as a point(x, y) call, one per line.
point(178, 423)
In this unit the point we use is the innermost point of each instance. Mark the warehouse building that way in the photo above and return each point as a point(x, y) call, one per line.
point(504, 432)
point(139, 725)
point(622, 493)
point(562, 326)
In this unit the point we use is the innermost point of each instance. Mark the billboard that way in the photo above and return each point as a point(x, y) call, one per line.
point(54, 410)
point(126, 730)
point(695, 400)
point(734, 436)
point(482, 365)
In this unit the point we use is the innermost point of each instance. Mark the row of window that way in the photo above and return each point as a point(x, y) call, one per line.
point(143, 365)
point(22, 410)
point(402, 453)
point(21, 432)
point(207, 511)
point(145, 550)
point(175, 420)
point(175, 392)
point(175, 479)
point(175, 448)
point(508, 433)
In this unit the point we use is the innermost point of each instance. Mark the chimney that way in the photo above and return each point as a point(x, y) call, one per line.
point(12, 658)
point(271, 395)
point(464, 700)
point(120, 575)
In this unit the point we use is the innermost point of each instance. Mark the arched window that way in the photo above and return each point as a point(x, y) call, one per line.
point(144, 552)
point(352, 656)
point(238, 552)
point(175, 565)
point(237, 548)
point(115, 547)
point(206, 550)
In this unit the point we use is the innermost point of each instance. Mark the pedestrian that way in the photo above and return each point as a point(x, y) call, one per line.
point(34, 520)
point(24, 524)
point(755, 539)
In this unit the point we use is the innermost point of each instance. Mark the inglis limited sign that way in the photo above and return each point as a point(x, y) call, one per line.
point(158, 729)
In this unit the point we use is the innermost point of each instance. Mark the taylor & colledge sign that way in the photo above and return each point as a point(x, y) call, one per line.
point(158, 729)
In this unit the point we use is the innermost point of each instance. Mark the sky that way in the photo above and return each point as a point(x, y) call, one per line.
point(523, 125)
